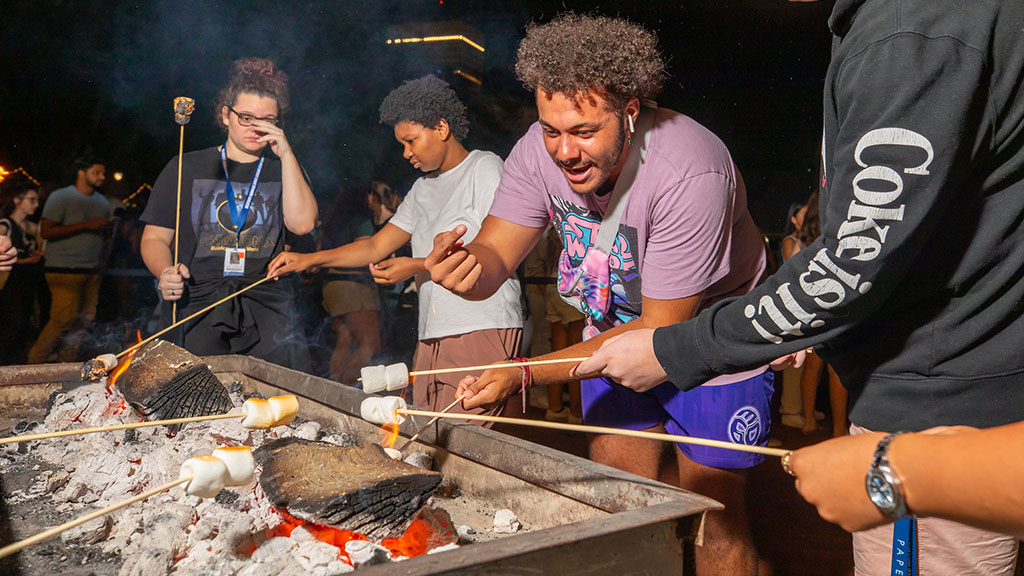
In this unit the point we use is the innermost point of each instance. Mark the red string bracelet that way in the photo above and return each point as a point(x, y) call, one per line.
point(527, 378)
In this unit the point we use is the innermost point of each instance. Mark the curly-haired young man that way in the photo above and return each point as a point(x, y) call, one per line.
point(236, 201)
point(684, 240)
point(456, 189)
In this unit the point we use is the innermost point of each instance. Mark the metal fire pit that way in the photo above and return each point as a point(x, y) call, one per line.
point(584, 517)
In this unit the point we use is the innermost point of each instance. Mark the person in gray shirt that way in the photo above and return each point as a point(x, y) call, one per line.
point(75, 223)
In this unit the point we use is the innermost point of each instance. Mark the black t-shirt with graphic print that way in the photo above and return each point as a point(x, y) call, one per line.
point(206, 227)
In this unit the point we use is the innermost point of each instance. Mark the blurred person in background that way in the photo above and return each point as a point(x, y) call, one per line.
point(349, 294)
point(23, 293)
point(75, 224)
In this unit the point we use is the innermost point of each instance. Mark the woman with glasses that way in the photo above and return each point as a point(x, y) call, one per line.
point(23, 291)
point(237, 201)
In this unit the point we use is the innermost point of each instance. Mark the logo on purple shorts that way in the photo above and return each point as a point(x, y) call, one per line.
point(745, 426)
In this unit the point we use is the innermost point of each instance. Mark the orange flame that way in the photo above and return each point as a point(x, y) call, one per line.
point(391, 429)
point(122, 365)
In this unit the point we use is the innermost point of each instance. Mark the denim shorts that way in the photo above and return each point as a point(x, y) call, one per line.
point(739, 412)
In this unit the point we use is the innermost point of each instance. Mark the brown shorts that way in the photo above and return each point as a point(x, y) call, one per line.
point(436, 391)
point(558, 310)
point(943, 548)
point(341, 297)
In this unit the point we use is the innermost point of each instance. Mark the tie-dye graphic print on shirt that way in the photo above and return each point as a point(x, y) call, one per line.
point(578, 227)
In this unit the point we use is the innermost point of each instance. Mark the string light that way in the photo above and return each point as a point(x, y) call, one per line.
point(448, 38)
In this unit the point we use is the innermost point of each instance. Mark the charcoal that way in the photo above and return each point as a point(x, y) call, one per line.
point(355, 488)
point(164, 381)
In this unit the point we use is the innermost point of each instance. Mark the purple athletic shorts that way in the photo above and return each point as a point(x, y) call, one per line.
point(738, 412)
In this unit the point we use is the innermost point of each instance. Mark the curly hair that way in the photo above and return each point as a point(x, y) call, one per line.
point(576, 54)
point(425, 101)
point(256, 76)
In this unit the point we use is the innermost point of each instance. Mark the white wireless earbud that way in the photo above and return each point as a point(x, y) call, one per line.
point(629, 118)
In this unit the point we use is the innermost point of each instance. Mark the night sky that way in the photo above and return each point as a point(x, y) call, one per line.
point(100, 78)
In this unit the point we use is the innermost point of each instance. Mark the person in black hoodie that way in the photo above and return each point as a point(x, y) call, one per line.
point(913, 292)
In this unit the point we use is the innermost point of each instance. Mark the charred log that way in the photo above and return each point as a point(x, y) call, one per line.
point(164, 381)
point(358, 488)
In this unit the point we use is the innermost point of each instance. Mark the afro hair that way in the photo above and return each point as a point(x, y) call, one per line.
point(576, 54)
point(425, 101)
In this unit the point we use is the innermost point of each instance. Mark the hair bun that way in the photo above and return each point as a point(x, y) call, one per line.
point(255, 66)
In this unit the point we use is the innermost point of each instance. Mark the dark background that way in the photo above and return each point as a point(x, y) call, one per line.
point(100, 78)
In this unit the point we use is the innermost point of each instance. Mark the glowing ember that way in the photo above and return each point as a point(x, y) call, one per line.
point(428, 531)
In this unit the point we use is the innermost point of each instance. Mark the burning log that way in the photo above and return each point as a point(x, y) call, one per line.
point(357, 488)
point(164, 381)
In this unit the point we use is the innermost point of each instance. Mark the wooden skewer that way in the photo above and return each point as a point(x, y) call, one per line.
point(177, 218)
point(207, 309)
point(428, 424)
point(489, 366)
point(602, 430)
point(12, 548)
point(78, 431)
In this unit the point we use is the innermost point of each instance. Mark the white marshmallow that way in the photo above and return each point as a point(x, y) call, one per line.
point(240, 463)
point(396, 376)
point(259, 414)
point(382, 409)
point(108, 360)
point(208, 475)
point(374, 378)
point(285, 408)
point(393, 453)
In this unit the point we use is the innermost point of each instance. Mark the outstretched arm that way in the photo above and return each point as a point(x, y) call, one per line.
point(971, 476)
point(352, 255)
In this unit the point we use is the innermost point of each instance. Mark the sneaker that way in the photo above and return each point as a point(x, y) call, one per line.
point(562, 415)
point(573, 419)
point(793, 420)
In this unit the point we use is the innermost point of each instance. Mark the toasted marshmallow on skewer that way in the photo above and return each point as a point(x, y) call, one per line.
point(396, 376)
point(98, 367)
point(393, 453)
point(285, 408)
point(274, 411)
point(374, 378)
point(383, 410)
point(258, 414)
point(240, 464)
point(208, 473)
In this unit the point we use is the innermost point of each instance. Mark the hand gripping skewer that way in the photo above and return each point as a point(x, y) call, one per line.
point(204, 476)
point(259, 414)
point(183, 108)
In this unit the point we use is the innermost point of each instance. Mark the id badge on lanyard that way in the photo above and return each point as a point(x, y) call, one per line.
point(234, 258)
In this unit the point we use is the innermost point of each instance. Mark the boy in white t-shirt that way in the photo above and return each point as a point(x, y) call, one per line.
point(457, 188)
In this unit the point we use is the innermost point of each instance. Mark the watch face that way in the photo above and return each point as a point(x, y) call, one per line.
point(881, 492)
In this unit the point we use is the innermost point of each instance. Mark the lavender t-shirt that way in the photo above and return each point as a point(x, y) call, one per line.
point(685, 228)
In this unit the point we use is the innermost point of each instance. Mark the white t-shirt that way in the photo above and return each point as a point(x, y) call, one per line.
point(437, 203)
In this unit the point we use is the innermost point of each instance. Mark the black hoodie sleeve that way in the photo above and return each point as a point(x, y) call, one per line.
point(904, 117)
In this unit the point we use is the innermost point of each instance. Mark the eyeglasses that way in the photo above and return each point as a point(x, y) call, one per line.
point(248, 119)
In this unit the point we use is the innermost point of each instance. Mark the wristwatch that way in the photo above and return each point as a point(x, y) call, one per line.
point(884, 487)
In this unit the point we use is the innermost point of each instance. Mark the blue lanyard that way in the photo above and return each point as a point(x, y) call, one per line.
point(904, 547)
point(238, 216)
